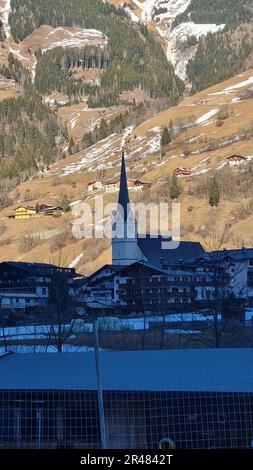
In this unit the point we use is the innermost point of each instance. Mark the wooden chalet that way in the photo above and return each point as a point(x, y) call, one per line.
point(236, 159)
point(47, 210)
point(94, 186)
point(137, 185)
point(182, 171)
point(24, 212)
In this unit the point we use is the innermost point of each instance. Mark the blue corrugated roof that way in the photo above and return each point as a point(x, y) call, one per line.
point(213, 370)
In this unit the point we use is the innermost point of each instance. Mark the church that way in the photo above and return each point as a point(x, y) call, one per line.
point(129, 247)
point(146, 278)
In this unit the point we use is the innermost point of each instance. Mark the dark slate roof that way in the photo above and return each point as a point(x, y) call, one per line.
point(123, 191)
point(210, 370)
point(155, 268)
point(114, 267)
point(36, 268)
point(238, 254)
point(152, 250)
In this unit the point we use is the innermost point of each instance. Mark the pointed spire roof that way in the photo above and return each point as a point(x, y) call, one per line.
point(123, 191)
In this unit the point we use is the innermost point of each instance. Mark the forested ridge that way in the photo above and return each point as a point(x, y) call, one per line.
point(217, 12)
point(221, 55)
point(28, 129)
point(136, 57)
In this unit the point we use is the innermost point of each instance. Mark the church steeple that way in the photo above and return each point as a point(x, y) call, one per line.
point(125, 248)
point(123, 191)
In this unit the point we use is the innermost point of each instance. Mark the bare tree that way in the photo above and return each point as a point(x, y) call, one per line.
point(63, 306)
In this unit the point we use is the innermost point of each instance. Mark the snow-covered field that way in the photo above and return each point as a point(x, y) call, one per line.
point(39, 332)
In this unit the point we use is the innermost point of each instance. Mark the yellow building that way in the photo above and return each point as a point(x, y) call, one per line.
point(25, 212)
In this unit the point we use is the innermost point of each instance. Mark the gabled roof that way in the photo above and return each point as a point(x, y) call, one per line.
point(155, 268)
point(190, 370)
point(153, 251)
point(236, 156)
point(114, 267)
point(141, 266)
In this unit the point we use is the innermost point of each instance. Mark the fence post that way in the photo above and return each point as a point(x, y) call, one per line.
point(99, 386)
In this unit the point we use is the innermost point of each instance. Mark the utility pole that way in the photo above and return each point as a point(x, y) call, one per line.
point(99, 386)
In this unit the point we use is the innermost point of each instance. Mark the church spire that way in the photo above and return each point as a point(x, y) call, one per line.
point(123, 191)
point(125, 250)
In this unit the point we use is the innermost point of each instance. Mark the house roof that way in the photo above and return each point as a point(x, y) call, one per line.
point(93, 182)
point(30, 208)
point(236, 156)
point(112, 267)
point(191, 370)
point(156, 269)
point(109, 182)
point(237, 254)
point(181, 168)
point(35, 268)
point(153, 251)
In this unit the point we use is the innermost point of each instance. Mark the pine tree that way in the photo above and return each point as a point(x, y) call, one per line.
point(103, 129)
point(71, 146)
point(65, 202)
point(214, 193)
point(174, 188)
point(166, 137)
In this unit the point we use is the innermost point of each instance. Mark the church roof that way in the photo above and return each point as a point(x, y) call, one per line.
point(153, 251)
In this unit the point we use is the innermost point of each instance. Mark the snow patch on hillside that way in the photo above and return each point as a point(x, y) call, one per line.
point(77, 38)
point(233, 88)
point(242, 84)
point(76, 261)
point(174, 8)
point(4, 13)
point(134, 18)
point(206, 117)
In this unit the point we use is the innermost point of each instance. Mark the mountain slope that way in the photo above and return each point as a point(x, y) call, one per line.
point(199, 143)
point(136, 58)
point(217, 11)
point(224, 48)
point(28, 129)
